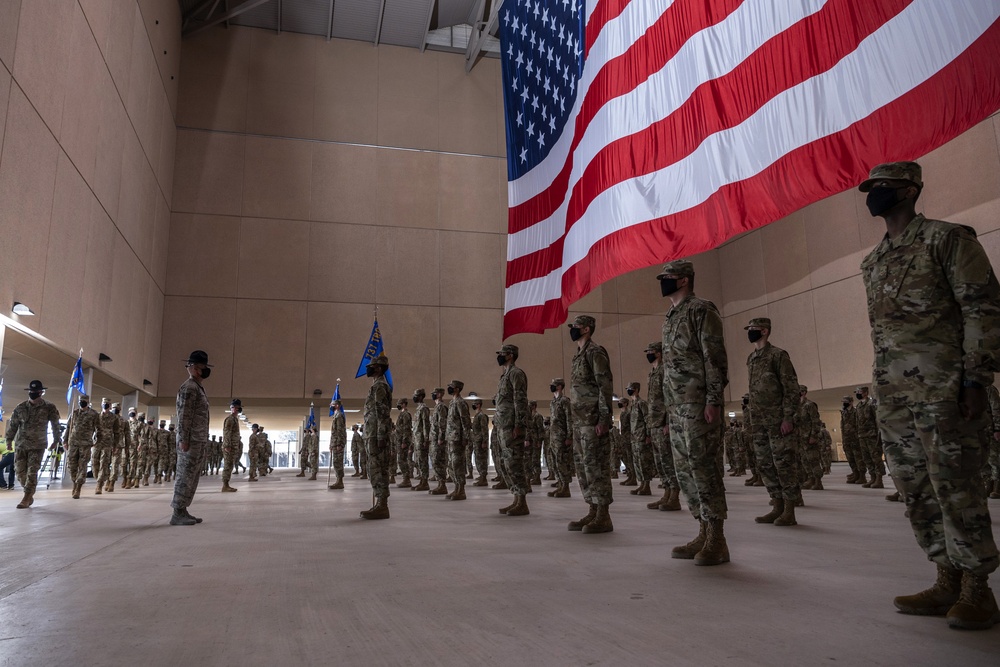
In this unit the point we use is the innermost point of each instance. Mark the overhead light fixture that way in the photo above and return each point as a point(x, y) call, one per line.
point(732, 414)
point(317, 392)
point(103, 357)
point(21, 309)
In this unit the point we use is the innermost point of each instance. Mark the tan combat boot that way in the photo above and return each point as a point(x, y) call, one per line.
point(750, 480)
point(976, 608)
point(936, 600)
point(111, 487)
point(392, 479)
point(339, 484)
point(380, 510)
point(228, 489)
point(500, 485)
point(76, 490)
point(579, 525)
point(25, 501)
point(715, 551)
point(673, 503)
point(97, 489)
point(863, 479)
point(551, 476)
point(536, 480)
point(787, 517)
point(302, 473)
point(629, 481)
point(422, 486)
point(481, 481)
point(877, 483)
point(504, 510)
point(692, 548)
point(776, 511)
point(996, 490)
point(818, 484)
point(807, 485)
point(459, 493)
point(405, 484)
point(893, 497)
point(520, 507)
point(439, 490)
point(601, 523)
point(145, 480)
point(852, 478)
point(655, 505)
point(562, 492)
point(312, 477)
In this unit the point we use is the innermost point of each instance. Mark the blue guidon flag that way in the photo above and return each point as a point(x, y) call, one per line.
point(640, 131)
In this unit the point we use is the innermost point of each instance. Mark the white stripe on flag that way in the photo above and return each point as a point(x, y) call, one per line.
point(768, 135)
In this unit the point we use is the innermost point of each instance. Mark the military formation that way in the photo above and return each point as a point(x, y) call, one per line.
point(930, 420)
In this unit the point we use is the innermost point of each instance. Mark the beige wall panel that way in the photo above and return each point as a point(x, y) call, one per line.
point(708, 273)
point(168, 147)
point(96, 285)
point(128, 315)
point(142, 78)
point(402, 72)
point(843, 335)
point(121, 318)
point(151, 339)
point(339, 262)
point(9, 13)
point(408, 188)
point(98, 15)
point(163, 25)
point(270, 349)
point(215, 71)
point(27, 180)
point(117, 47)
point(502, 210)
point(601, 299)
point(991, 243)
point(409, 122)
point(202, 323)
point(795, 332)
point(336, 334)
point(413, 343)
point(346, 101)
point(738, 348)
point(871, 230)
point(147, 227)
point(82, 117)
point(471, 269)
point(161, 241)
point(273, 259)
point(467, 127)
point(44, 39)
point(284, 57)
point(742, 262)
point(5, 83)
point(67, 256)
point(112, 131)
point(639, 292)
point(157, 108)
point(278, 178)
point(203, 256)
point(131, 219)
point(282, 108)
point(636, 332)
point(786, 259)
point(467, 182)
point(208, 173)
point(343, 183)
point(408, 267)
point(961, 175)
point(544, 356)
point(464, 354)
point(832, 239)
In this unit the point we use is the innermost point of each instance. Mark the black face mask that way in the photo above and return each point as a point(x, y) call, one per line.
point(553, 388)
point(754, 335)
point(501, 359)
point(370, 372)
point(621, 406)
point(668, 286)
point(416, 398)
point(34, 395)
point(746, 402)
point(451, 391)
point(434, 396)
point(575, 333)
point(106, 406)
point(881, 199)
point(205, 372)
point(859, 396)
point(630, 392)
point(650, 357)
point(117, 411)
point(494, 402)
point(847, 405)
point(83, 404)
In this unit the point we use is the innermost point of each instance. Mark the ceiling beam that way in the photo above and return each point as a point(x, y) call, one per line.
point(427, 29)
point(378, 27)
point(194, 11)
point(241, 8)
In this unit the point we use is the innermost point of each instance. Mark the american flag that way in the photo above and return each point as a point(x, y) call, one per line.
point(640, 131)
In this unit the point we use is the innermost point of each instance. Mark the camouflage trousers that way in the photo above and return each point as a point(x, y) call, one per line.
point(188, 473)
point(935, 458)
point(644, 461)
point(622, 457)
point(511, 464)
point(134, 468)
point(420, 459)
point(439, 460)
point(563, 455)
point(871, 453)
point(470, 451)
point(776, 462)
point(482, 457)
point(253, 456)
point(100, 463)
point(592, 455)
point(311, 460)
point(697, 450)
point(378, 452)
point(812, 464)
point(404, 452)
point(666, 467)
point(456, 459)
point(853, 454)
point(142, 464)
point(77, 458)
point(495, 453)
point(26, 465)
point(746, 446)
point(337, 458)
point(229, 459)
point(119, 461)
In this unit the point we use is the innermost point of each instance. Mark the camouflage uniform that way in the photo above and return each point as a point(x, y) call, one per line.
point(378, 425)
point(421, 438)
point(231, 444)
point(511, 423)
point(253, 453)
point(458, 429)
point(81, 433)
point(532, 444)
point(404, 442)
point(439, 447)
point(119, 453)
point(312, 452)
point(849, 438)
point(107, 436)
point(141, 450)
point(642, 450)
point(560, 433)
point(192, 429)
point(480, 433)
point(868, 439)
point(808, 430)
point(164, 444)
point(774, 397)
point(622, 449)
point(695, 375)
point(27, 431)
point(993, 435)
point(933, 303)
point(591, 390)
point(826, 449)
point(338, 442)
point(136, 429)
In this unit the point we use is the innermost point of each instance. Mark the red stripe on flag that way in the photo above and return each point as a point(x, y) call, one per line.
point(820, 169)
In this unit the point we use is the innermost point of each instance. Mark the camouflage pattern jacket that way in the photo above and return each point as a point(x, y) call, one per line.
point(591, 386)
point(560, 425)
point(512, 400)
point(27, 426)
point(378, 403)
point(774, 387)
point(695, 365)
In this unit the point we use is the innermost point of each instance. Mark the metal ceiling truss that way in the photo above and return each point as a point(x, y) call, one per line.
point(194, 26)
point(481, 30)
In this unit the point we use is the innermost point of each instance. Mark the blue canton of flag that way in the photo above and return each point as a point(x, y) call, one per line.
point(373, 349)
point(75, 380)
point(542, 59)
point(311, 423)
point(336, 397)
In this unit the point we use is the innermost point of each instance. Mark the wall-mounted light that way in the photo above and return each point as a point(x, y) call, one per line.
point(21, 309)
point(145, 382)
point(317, 392)
point(103, 357)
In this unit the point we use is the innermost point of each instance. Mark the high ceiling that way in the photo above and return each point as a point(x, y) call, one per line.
point(448, 24)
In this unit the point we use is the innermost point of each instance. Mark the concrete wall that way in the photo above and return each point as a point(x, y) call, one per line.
point(88, 96)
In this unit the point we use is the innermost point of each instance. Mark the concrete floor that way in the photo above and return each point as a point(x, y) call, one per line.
point(284, 573)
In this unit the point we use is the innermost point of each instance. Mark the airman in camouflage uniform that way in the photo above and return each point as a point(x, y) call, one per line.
point(695, 375)
point(826, 448)
point(378, 425)
point(164, 442)
point(868, 438)
point(746, 439)
point(27, 432)
point(591, 391)
point(807, 427)
point(510, 423)
point(190, 438)
point(642, 441)
point(534, 453)
point(232, 443)
point(480, 434)
point(253, 451)
point(135, 427)
point(338, 442)
point(458, 432)
point(561, 437)
point(439, 447)
point(404, 442)
point(849, 438)
point(81, 433)
point(119, 452)
point(421, 439)
point(107, 436)
point(622, 450)
point(934, 307)
point(774, 400)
